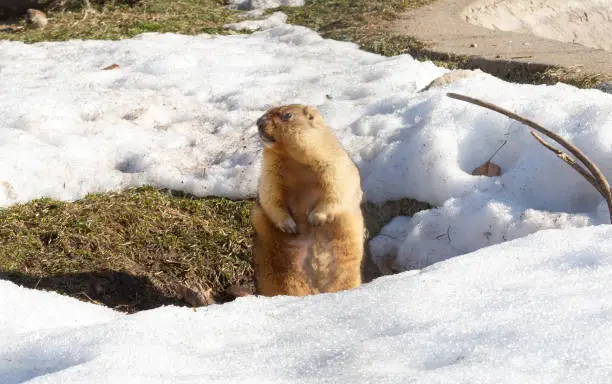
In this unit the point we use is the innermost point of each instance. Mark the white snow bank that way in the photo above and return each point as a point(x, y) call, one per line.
point(535, 191)
point(264, 4)
point(274, 20)
point(586, 22)
point(534, 310)
point(464, 225)
point(179, 113)
point(41, 311)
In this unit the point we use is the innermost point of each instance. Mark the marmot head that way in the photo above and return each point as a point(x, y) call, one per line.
point(287, 124)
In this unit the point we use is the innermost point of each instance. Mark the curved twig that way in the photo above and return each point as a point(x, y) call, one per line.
point(594, 176)
point(570, 161)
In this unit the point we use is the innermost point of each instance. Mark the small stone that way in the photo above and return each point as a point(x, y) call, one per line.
point(448, 78)
point(36, 19)
point(196, 296)
point(473, 45)
point(238, 291)
point(252, 14)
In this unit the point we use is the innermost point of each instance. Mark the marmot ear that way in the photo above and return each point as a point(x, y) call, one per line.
point(309, 112)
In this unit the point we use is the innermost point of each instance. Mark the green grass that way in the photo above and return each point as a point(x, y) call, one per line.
point(112, 22)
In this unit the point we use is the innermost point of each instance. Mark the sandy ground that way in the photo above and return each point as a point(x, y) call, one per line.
point(443, 26)
point(586, 22)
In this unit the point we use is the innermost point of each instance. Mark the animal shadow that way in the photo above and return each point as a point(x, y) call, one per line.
point(118, 290)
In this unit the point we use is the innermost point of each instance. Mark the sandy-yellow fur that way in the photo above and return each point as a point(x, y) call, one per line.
point(308, 220)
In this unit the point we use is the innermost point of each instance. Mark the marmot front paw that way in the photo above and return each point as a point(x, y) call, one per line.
point(321, 215)
point(288, 225)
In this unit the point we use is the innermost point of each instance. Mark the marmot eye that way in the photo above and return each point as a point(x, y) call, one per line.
point(286, 116)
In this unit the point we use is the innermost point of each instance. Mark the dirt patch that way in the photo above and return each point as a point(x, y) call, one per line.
point(517, 57)
point(379, 215)
point(588, 22)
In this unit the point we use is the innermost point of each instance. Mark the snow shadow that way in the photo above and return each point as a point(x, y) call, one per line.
point(33, 362)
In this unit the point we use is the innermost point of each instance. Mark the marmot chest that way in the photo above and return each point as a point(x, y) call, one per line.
point(302, 189)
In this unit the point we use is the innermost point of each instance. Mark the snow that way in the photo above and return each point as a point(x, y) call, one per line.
point(273, 20)
point(179, 113)
point(534, 310)
point(264, 4)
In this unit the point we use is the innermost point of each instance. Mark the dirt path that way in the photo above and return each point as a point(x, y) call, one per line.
point(443, 26)
point(586, 22)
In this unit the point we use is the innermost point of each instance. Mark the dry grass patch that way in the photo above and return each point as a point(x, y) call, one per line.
point(114, 22)
point(515, 71)
point(134, 250)
point(574, 76)
point(360, 21)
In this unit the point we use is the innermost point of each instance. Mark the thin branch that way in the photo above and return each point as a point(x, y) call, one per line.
point(570, 147)
point(570, 161)
point(600, 181)
point(389, 236)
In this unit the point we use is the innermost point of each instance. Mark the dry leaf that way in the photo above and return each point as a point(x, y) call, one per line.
point(112, 66)
point(487, 169)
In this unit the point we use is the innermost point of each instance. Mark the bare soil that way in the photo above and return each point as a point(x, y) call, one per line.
point(443, 28)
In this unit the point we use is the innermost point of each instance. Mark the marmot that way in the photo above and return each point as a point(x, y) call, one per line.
point(308, 220)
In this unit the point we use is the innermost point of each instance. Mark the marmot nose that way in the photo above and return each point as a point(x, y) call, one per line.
point(261, 122)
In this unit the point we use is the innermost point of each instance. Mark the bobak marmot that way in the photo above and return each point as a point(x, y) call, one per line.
point(308, 220)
